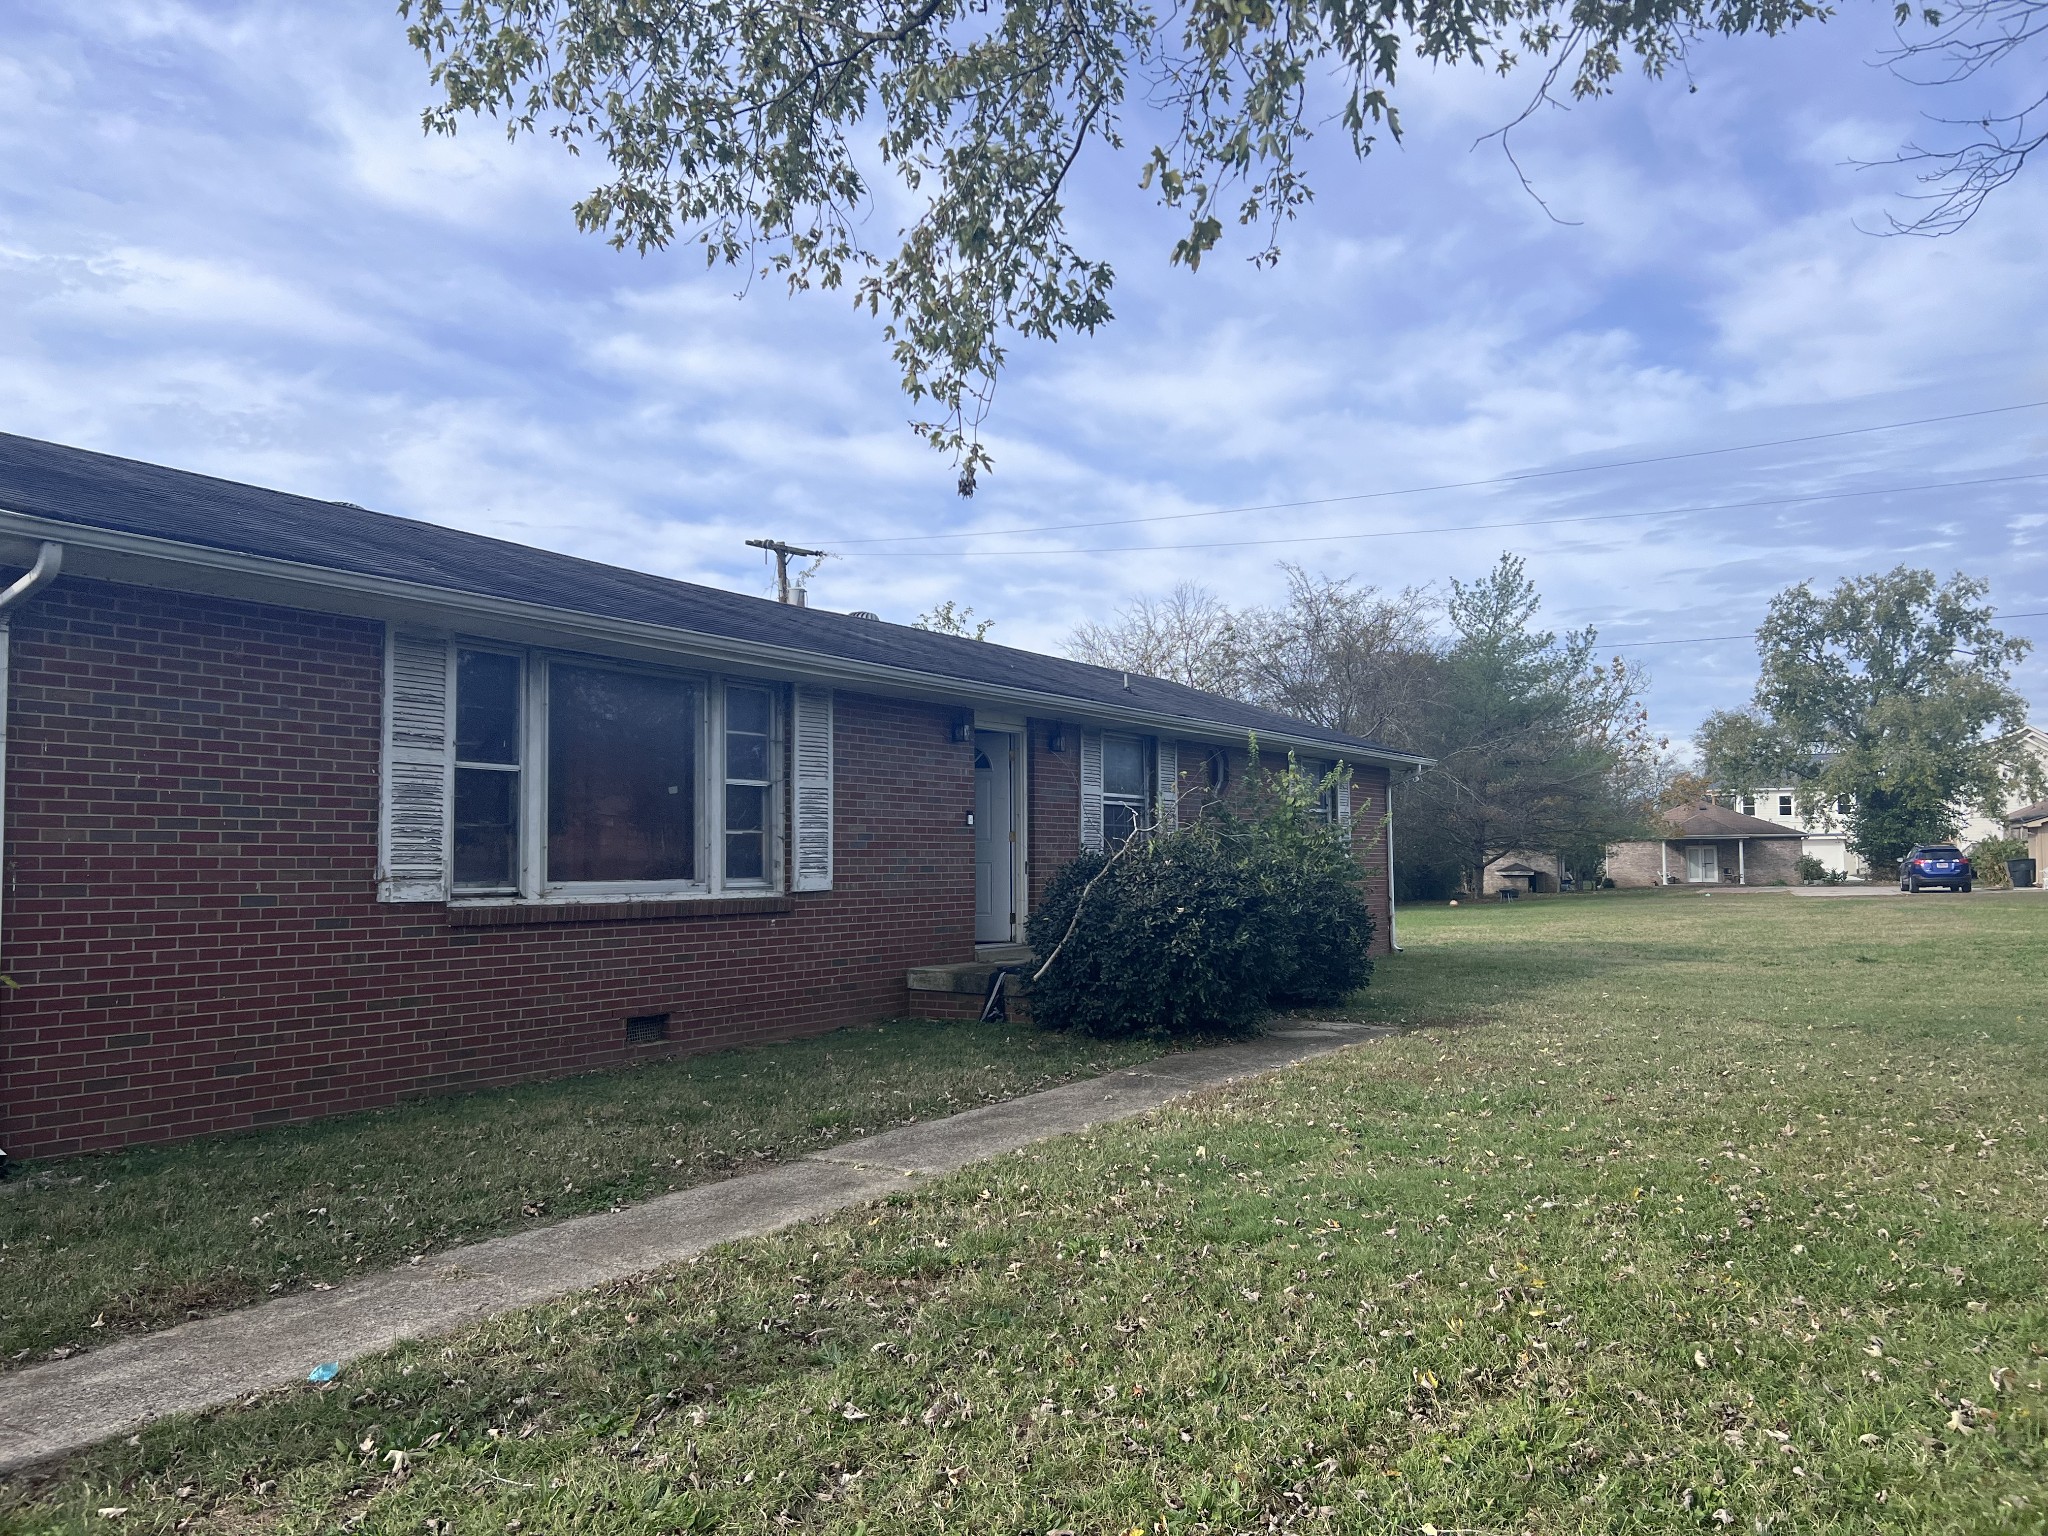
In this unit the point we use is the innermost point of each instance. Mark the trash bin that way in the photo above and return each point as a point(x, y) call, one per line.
point(2021, 871)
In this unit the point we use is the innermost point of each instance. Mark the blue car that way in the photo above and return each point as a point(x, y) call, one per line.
point(1935, 866)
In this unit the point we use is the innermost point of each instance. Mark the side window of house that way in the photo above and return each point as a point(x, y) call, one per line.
point(1784, 805)
point(1315, 770)
point(1126, 789)
point(1749, 805)
point(749, 713)
point(488, 731)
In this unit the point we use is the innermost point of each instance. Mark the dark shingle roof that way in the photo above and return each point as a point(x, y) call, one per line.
point(2027, 814)
point(1708, 820)
point(98, 490)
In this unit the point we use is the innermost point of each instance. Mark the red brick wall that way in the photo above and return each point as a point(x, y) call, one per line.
point(1369, 788)
point(1053, 829)
point(190, 898)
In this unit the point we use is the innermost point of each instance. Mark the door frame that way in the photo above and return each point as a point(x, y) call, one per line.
point(1017, 729)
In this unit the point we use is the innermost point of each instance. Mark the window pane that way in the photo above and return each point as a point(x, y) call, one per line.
point(746, 733)
point(486, 828)
point(1119, 822)
point(746, 808)
point(743, 859)
point(1123, 766)
point(622, 776)
point(486, 708)
point(746, 709)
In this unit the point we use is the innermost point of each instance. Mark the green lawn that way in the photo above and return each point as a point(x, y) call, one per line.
point(1668, 1214)
point(98, 1245)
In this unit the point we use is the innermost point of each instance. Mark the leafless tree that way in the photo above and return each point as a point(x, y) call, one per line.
point(1964, 44)
point(1189, 636)
point(1343, 654)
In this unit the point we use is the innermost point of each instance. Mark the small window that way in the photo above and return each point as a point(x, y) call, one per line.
point(1749, 805)
point(1126, 789)
point(487, 732)
point(622, 777)
point(748, 759)
point(1784, 805)
point(1323, 773)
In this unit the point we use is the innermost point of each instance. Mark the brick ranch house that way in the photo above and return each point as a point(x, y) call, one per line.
point(1709, 844)
point(309, 809)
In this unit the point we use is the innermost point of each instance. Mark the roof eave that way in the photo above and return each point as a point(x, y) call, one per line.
point(136, 558)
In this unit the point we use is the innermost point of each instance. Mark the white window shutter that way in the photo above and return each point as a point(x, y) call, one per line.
point(1091, 791)
point(811, 793)
point(1344, 795)
point(415, 824)
point(1169, 786)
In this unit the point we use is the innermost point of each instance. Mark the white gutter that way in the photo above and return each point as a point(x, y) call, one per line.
point(390, 598)
point(49, 561)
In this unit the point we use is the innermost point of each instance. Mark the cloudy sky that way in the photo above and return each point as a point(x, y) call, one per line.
point(225, 245)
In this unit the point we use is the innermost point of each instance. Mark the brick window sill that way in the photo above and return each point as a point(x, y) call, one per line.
point(522, 914)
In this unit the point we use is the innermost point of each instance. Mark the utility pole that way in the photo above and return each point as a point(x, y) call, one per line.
point(782, 553)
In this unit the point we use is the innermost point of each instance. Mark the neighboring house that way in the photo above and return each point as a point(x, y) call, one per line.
point(1709, 844)
point(1978, 826)
point(310, 809)
point(1825, 841)
point(1521, 869)
point(2031, 822)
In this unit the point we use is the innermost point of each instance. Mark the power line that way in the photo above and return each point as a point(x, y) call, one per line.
point(1750, 634)
point(1406, 533)
point(1453, 485)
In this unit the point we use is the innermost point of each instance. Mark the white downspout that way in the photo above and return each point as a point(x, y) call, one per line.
point(1393, 915)
point(49, 561)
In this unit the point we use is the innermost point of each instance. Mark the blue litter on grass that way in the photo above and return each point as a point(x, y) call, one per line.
point(323, 1373)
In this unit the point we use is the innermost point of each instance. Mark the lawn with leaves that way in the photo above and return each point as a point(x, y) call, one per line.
point(1668, 1213)
point(99, 1245)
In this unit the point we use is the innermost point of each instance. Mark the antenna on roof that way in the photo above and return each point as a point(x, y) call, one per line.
point(782, 553)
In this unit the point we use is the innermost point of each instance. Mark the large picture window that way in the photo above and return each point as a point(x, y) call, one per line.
point(622, 777)
point(577, 779)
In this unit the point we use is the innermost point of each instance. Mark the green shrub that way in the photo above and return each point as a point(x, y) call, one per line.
point(1813, 872)
point(1205, 929)
point(1988, 856)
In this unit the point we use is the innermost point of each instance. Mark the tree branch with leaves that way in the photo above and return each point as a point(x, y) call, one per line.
point(779, 137)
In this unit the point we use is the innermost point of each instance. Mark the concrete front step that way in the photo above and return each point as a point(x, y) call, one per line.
point(958, 990)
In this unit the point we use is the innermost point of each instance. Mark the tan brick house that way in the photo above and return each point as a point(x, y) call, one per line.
point(1709, 844)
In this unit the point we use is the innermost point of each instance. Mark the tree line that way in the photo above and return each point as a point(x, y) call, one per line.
point(1886, 704)
point(1535, 740)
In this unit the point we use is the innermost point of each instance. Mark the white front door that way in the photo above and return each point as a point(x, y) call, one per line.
point(995, 837)
point(1703, 863)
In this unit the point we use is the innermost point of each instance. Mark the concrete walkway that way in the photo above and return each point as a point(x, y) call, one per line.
point(67, 1405)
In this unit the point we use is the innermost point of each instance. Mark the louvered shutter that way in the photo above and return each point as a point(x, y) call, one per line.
point(1091, 791)
point(1169, 787)
point(1344, 796)
point(811, 792)
point(415, 824)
